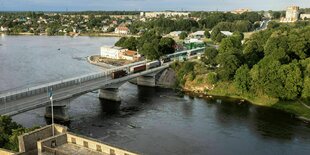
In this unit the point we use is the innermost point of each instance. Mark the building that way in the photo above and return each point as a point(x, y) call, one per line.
point(3, 29)
point(165, 14)
point(305, 16)
point(175, 33)
point(292, 15)
point(198, 34)
point(130, 55)
point(43, 142)
point(240, 11)
point(123, 30)
point(112, 52)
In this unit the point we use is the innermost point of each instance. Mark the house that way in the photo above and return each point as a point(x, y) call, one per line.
point(122, 30)
point(175, 33)
point(192, 40)
point(130, 55)
point(241, 11)
point(198, 34)
point(105, 28)
point(3, 29)
point(112, 52)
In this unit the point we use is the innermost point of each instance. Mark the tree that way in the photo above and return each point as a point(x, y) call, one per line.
point(166, 46)
point(306, 89)
point(242, 79)
point(230, 44)
point(7, 127)
point(183, 35)
point(207, 33)
point(210, 53)
point(212, 78)
point(229, 63)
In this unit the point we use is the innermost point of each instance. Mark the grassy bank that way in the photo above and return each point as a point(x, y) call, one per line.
point(295, 107)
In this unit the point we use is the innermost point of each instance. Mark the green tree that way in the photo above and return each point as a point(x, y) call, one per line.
point(210, 54)
point(229, 63)
point(212, 78)
point(242, 79)
point(207, 33)
point(166, 46)
point(306, 89)
point(183, 35)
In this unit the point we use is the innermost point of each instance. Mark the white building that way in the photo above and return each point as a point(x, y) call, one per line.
point(292, 14)
point(112, 52)
point(122, 30)
point(175, 33)
point(198, 34)
point(165, 14)
point(193, 40)
point(3, 29)
point(305, 16)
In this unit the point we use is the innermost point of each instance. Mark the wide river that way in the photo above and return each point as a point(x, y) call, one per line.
point(152, 120)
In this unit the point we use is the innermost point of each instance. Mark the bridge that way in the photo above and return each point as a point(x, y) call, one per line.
point(18, 101)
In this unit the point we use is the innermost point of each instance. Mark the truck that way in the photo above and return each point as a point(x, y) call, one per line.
point(153, 64)
point(118, 74)
point(138, 68)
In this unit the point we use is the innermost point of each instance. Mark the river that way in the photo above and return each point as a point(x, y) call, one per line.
point(151, 120)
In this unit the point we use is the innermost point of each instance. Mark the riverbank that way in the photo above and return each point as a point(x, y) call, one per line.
point(81, 34)
point(226, 89)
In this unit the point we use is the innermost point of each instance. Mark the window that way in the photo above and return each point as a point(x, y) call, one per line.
point(53, 144)
point(112, 152)
point(98, 148)
point(85, 144)
point(73, 140)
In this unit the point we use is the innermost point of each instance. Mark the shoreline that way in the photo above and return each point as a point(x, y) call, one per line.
point(82, 34)
point(251, 101)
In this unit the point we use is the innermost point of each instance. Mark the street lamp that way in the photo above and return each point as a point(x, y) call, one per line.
point(52, 108)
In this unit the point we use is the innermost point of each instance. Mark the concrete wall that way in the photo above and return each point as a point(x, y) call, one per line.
point(6, 152)
point(146, 81)
point(96, 145)
point(56, 140)
point(28, 141)
point(109, 94)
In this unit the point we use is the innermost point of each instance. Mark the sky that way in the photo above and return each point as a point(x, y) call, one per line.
point(147, 5)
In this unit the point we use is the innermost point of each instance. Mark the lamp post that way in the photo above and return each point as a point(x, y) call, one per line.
point(52, 109)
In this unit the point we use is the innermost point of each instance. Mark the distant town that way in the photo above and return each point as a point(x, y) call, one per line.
point(257, 57)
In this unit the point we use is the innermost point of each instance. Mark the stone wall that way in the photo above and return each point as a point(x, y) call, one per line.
point(52, 142)
point(6, 152)
point(96, 145)
point(28, 141)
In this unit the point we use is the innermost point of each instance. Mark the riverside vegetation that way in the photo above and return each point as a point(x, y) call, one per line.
point(9, 132)
point(271, 68)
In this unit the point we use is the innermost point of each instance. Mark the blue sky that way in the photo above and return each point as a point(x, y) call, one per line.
point(147, 5)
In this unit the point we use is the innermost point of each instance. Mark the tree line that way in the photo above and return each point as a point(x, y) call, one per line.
point(150, 44)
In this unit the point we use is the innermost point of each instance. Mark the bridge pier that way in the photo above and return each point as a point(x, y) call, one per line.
point(109, 94)
point(149, 81)
point(110, 100)
point(60, 113)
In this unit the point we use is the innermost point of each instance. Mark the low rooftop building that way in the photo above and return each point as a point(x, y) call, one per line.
point(240, 11)
point(43, 142)
point(198, 34)
point(122, 30)
point(112, 52)
point(131, 55)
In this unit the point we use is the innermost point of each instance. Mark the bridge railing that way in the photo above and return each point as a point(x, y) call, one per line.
point(26, 92)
